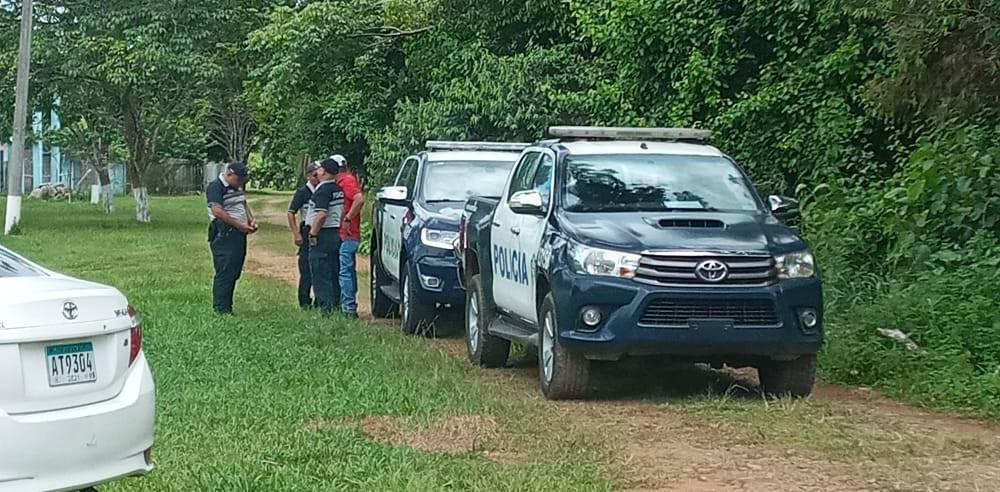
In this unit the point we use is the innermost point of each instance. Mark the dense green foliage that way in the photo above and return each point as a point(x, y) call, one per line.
point(881, 117)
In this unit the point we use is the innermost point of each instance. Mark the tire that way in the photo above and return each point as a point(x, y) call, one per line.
point(793, 377)
point(485, 350)
point(415, 316)
point(562, 374)
point(382, 305)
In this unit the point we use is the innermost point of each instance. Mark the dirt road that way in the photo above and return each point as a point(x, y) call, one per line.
point(694, 429)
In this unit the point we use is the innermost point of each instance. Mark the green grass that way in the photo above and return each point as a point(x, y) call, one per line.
point(234, 395)
point(821, 428)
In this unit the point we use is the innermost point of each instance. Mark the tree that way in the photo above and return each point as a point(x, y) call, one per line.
point(95, 144)
point(153, 64)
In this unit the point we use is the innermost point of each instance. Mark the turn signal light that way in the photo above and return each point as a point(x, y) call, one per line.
point(135, 335)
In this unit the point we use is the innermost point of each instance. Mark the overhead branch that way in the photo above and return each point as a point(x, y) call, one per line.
point(390, 32)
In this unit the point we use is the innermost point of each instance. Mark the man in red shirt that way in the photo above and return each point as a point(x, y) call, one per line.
point(350, 236)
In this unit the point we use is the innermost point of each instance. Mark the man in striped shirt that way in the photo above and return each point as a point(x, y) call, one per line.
point(227, 233)
point(325, 212)
point(298, 210)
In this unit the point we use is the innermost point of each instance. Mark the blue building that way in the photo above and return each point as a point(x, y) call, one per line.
point(50, 165)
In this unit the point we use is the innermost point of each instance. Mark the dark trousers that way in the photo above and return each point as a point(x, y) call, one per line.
point(324, 264)
point(305, 276)
point(229, 251)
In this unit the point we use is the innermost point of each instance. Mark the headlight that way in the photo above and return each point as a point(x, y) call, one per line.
point(796, 265)
point(438, 239)
point(603, 262)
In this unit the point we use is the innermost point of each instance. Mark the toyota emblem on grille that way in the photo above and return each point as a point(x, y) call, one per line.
point(70, 311)
point(712, 271)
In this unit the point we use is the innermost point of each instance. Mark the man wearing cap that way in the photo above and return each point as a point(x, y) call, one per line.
point(298, 210)
point(227, 233)
point(326, 211)
point(350, 235)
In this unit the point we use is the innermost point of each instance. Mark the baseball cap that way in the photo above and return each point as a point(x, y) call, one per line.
point(339, 159)
point(240, 169)
point(311, 168)
point(329, 165)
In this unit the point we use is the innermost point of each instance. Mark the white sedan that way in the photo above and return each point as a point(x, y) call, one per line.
point(76, 394)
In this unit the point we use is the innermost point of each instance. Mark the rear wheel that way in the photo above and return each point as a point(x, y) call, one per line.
point(484, 349)
point(382, 305)
point(563, 375)
point(417, 317)
point(792, 377)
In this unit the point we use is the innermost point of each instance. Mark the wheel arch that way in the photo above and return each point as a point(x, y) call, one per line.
point(542, 289)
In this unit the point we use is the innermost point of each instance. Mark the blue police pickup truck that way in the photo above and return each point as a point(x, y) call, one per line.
point(415, 223)
point(615, 242)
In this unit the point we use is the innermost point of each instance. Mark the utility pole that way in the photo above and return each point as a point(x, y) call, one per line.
point(15, 178)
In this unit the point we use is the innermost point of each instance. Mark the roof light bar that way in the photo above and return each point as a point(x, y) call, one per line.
point(626, 133)
point(433, 145)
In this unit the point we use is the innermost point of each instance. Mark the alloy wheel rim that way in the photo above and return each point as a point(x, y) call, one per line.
point(472, 325)
point(548, 346)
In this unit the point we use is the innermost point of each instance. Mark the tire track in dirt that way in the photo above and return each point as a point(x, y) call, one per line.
point(658, 446)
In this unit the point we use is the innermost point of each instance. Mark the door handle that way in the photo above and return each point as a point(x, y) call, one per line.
point(515, 230)
point(496, 224)
point(393, 217)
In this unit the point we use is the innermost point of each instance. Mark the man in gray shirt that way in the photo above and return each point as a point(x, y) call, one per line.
point(325, 210)
point(227, 233)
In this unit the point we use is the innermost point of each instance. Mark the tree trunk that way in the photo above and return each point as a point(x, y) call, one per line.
point(234, 129)
point(108, 199)
point(141, 204)
point(106, 193)
point(142, 153)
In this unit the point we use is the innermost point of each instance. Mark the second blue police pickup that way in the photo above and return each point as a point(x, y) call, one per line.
point(614, 242)
point(414, 272)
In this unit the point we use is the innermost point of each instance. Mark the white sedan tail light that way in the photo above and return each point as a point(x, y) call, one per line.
point(135, 336)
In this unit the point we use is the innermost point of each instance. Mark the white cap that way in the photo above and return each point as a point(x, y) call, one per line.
point(339, 159)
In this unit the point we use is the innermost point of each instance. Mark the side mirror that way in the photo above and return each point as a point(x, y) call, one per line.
point(527, 202)
point(783, 207)
point(394, 195)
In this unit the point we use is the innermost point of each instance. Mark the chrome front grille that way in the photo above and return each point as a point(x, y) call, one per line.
point(674, 313)
point(682, 268)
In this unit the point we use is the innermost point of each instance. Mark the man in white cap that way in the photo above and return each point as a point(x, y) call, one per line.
point(350, 235)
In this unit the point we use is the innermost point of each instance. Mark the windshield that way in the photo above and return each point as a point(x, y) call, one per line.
point(456, 181)
point(12, 266)
point(658, 183)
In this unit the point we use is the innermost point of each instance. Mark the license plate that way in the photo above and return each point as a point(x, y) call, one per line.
point(71, 364)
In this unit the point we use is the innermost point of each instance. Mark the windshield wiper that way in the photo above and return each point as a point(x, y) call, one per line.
point(683, 209)
point(443, 201)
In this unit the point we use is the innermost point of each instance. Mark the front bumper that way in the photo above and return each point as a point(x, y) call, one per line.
point(623, 304)
point(79, 447)
point(441, 265)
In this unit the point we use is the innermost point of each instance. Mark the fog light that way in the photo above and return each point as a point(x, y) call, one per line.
point(431, 282)
point(808, 318)
point(591, 316)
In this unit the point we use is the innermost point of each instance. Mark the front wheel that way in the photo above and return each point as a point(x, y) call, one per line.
point(564, 375)
point(484, 349)
point(382, 305)
point(417, 317)
point(792, 377)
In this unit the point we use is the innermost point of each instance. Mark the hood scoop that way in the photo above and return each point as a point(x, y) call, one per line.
point(686, 223)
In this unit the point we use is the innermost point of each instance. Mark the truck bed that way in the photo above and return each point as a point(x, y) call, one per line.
point(477, 221)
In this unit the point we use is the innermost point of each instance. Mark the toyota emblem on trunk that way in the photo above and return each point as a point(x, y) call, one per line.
point(712, 271)
point(70, 311)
